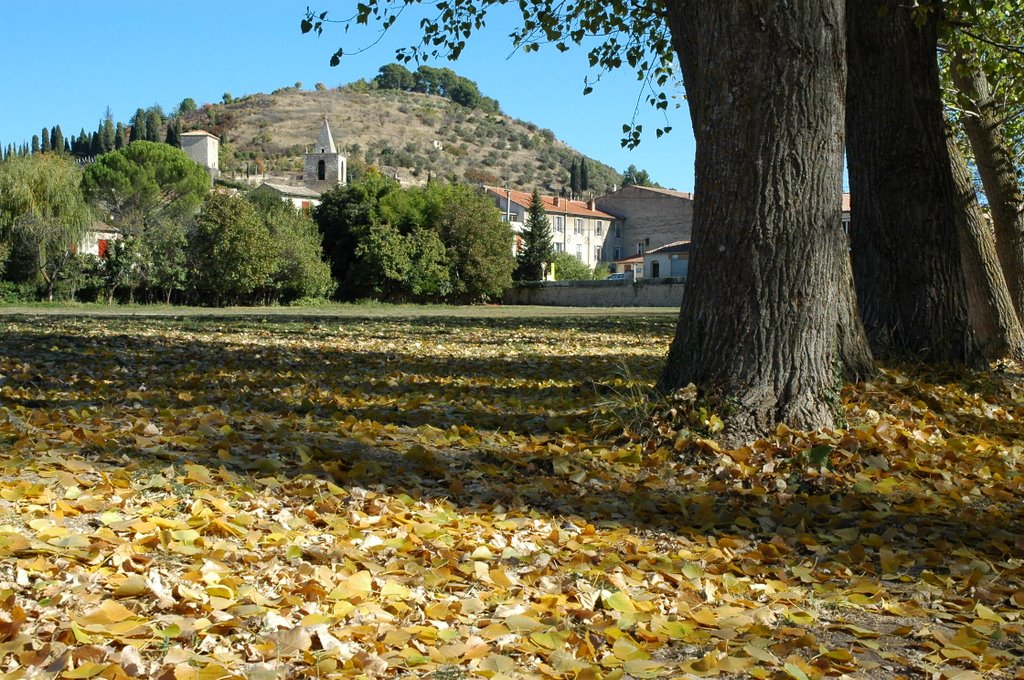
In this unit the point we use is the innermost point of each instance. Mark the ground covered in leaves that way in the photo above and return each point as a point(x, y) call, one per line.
point(455, 497)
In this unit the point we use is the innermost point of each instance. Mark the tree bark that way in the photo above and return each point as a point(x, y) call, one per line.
point(905, 247)
point(998, 173)
point(993, 317)
point(758, 327)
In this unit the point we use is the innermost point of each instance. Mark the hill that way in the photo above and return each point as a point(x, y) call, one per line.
point(409, 134)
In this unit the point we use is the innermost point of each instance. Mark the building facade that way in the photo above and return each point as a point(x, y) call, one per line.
point(649, 218)
point(577, 227)
point(203, 148)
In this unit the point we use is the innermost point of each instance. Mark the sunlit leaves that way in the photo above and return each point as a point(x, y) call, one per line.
point(404, 496)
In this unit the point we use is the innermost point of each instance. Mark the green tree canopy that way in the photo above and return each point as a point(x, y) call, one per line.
point(231, 253)
point(42, 214)
point(568, 267)
point(144, 182)
point(299, 267)
point(394, 77)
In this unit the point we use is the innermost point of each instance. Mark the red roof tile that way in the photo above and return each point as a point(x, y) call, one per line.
point(552, 204)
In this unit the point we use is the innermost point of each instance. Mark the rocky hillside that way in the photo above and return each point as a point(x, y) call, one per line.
point(413, 136)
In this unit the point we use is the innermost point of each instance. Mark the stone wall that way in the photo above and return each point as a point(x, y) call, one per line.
point(643, 293)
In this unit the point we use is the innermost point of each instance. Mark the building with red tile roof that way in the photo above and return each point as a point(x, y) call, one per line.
point(579, 228)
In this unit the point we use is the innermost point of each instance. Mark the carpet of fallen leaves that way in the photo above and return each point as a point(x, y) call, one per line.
point(454, 498)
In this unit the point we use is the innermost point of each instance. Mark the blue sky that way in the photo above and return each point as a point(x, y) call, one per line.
point(65, 61)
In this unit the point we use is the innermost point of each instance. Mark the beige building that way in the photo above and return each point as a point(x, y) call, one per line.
point(649, 218)
point(577, 227)
point(203, 148)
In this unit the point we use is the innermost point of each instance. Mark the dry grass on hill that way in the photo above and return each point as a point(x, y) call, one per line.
point(397, 131)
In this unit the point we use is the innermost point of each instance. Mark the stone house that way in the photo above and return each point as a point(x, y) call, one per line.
point(577, 227)
point(649, 218)
point(203, 148)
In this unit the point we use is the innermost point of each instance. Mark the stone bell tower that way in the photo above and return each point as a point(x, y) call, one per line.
point(324, 166)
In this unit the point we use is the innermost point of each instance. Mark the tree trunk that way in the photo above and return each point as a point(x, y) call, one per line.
point(906, 256)
point(998, 173)
point(993, 317)
point(757, 330)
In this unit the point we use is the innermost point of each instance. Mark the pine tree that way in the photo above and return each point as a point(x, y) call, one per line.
point(537, 249)
point(574, 180)
point(138, 126)
point(57, 142)
point(81, 145)
point(45, 137)
point(584, 175)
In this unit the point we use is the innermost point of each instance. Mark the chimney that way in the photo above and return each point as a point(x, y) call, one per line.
point(592, 204)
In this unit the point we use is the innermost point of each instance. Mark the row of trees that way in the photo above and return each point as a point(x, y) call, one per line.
point(233, 250)
point(442, 82)
point(150, 124)
point(779, 304)
point(440, 242)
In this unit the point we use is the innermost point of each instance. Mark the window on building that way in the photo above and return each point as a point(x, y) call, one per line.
point(579, 252)
point(639, 247)
point(655, 269)
point(559, 247)
point(556, 224)
point(618, 253)
point(618, 230)
point(578, 228)
point(321, 170)
point(598, 227)
point(597, 253)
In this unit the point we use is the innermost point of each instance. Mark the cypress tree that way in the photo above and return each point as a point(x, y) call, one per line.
point(174, 132)
point(154, 120)
point(537, 249)
point(81, 148)
point(107, 132)
point(45, 137)
point(574, 180)
point(138, 126)
point(57, 142)
point(584, 175)
point(35, 144)
point(119, 136)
